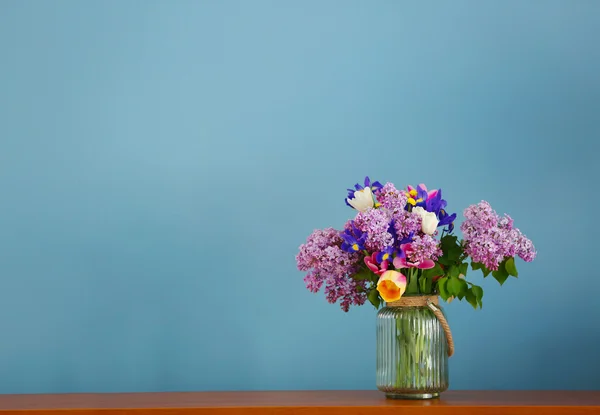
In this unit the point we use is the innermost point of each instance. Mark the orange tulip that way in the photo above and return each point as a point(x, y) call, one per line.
point(391, 285)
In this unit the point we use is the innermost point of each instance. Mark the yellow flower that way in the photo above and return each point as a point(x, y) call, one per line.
point(391, 285)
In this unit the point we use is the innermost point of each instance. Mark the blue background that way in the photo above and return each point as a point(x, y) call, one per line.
point(161, 162)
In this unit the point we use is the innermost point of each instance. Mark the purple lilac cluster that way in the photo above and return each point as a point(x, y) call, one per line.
point(394, 201)
point(376, 223)
point(406, 223)
point(325, 262)
point(391, 198)
point(506, 222)
point(490, 239)
point(346, 290)
point(423, 248)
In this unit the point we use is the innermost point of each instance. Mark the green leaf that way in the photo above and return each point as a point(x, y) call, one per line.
point(448, 242)
point(433, 272)
point(477, 265)
point(501, 275)
point(445, 261)
point(463, 268)
point(454, 286)
point(471, 298)
point(464, 288)
point(441, 288)
point(451, 250)
point(363, 274)
point(478, 292)
point(374, 278)
point(511, 268)
point(453, 271)
point(373, 297)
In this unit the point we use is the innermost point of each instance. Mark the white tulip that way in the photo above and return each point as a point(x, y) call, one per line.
point(429, 221)
point(363, 199)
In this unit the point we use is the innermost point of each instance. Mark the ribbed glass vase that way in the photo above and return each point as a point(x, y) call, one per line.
point(412, 354)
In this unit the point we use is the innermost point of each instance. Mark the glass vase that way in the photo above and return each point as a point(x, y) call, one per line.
point(412, 351)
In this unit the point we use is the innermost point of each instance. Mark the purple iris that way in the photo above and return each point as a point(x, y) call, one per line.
point(407, 239)
point(446, 219)
point(422, 195)
point(395, 248)
point(354, 239)
point(374, 187)
point(386, 254)
point(435, 203)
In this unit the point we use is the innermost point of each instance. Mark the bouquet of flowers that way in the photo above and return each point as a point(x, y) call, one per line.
point(401, 242)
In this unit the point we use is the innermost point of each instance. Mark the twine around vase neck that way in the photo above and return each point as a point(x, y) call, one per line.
point(415, 301)
point(430, 301)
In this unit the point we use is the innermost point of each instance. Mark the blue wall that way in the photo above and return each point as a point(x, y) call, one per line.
point(161, 162)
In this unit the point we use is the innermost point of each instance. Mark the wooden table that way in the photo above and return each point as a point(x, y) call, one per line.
point(302, 402)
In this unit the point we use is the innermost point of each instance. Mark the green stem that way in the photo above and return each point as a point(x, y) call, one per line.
point(413, 282)
point(401, 348)
point(411, 346)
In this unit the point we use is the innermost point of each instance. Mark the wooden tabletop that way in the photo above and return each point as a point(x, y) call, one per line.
point(302, 402)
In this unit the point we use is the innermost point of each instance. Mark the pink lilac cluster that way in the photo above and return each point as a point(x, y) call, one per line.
point(481, 216)
point(423, 248)
point(391, 198)
point(506, 222)
point(325, 262)
point(490, 239)
point(376, 223)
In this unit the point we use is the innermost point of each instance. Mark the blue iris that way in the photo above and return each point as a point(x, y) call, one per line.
point(354, 239)
point(396, 243)
point(446, 219)
point(436, 205)
point(386, 254)
point(422, 196)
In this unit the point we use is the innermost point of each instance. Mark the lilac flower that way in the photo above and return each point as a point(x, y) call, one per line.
point(424, 247)
point(322, 252)
point(406, 223)
point(525, 248)
point(481, 216)
point(490, 239)
point(326, 263)
point(506, 222)
point(313, 282)
point(391, 198)
point(345, 289)
point(375, 222)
